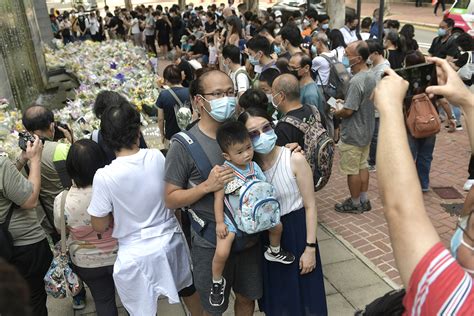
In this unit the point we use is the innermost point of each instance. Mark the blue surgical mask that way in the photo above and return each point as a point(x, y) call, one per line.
point(325, 26)
point(346, 62)
point(254, 61)
point(277, 49)
point(442, 32)
point(222, 108)
point(314, 50)
point(265, 142)
point(270, 98)
point(458, 239)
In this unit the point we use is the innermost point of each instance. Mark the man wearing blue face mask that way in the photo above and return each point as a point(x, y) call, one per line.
point(357, 127)
point(259, 51)
point(444, 44)
point(213, 96)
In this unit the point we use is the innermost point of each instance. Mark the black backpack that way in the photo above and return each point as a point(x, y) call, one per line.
point(391, 304)
point(6, 239)
point(338, 79)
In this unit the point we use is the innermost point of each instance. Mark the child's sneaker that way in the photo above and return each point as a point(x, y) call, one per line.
point(216, 297)
point(283, 256)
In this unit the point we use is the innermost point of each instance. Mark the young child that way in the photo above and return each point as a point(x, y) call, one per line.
point(234, 141)
point(212, 54)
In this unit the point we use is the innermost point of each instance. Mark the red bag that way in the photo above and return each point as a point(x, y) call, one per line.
point(422, 118)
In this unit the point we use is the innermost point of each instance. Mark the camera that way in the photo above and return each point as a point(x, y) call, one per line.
point(58, 134)
point(24, 138)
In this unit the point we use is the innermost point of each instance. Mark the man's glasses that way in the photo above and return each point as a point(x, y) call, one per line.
point(265, 129)
point(219, 94)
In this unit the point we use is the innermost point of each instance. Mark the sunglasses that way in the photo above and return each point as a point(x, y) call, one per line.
point(265, 129)
point(464, 230)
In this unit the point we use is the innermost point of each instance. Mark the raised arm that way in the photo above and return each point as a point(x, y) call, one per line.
point(411, 231)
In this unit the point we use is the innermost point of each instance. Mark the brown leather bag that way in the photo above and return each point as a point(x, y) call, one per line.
point(422, 118)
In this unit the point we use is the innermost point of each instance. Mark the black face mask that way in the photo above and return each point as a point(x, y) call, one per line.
point(295, 73)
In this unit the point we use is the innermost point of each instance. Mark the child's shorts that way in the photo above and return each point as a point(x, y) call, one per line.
point(230, 226)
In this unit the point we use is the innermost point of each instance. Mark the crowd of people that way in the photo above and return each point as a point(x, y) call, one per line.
point(147, 223)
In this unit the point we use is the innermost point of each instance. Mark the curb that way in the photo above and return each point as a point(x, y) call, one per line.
point(361, 257)
point(427, 25)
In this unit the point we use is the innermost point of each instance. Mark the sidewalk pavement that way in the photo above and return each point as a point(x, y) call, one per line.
point(351, 282)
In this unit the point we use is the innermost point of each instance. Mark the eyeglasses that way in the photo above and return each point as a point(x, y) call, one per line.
point(265, 129)
point(220, 94)
point(464, 230)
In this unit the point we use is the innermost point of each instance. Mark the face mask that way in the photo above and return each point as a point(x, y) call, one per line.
point(306, 23)
point(314, 50)
point(345, 62)
point(442, 32)
point(385, 31)
point(295, 73)
point(265, 142)
point(277, 49)
point(270, 98)
point(278, 20)
point(325, 26)
point(369, 61)
point(458, 239)
point(221, 25)
point(274, 104)
point(222, 109)
point(254, 61)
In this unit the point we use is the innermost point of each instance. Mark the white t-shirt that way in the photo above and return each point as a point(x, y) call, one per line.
point(321, 65)
point(365, 36)
point(133, 189)
point(94, 27)
point(212, 55)
point(135, 26)
point(339, 52)
point(241, 83)
point(349, 36)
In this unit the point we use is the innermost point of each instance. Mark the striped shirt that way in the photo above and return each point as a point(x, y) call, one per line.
point(439, 286)
point(283, 179)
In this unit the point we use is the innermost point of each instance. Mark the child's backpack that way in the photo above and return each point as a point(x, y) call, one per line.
point(338, 80)
point(318, 146)
point(422, 120)
point(258, 209)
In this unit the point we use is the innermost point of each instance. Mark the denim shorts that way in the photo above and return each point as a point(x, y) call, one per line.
point(230, 226)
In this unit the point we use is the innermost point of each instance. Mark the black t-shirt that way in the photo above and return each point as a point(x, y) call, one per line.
point(167, 102)
point(396, 58)
point(199, 48)
point(117, 21)
point(210, 27)
point(287, 133)
point(109, 153)
point(162, 27)
point(442, 49)
point(188, 72)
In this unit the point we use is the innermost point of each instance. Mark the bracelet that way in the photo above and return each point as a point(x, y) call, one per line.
point(311, 245)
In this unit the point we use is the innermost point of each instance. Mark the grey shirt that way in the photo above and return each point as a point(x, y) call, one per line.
point(181, 171)
point(379, 69)
point(15, 188)
point(358, 128)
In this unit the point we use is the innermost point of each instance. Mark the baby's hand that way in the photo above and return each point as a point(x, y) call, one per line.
point(221, 230)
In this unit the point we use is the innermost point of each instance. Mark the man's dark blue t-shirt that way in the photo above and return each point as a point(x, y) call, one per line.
point(167, 102)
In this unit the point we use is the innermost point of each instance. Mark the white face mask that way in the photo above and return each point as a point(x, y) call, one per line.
point(278, 19)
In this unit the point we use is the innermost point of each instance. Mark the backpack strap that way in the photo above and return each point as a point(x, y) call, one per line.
point(6, 223)
point(173, 94)
point(303, 126)
point(192, 146)
point(63, 222)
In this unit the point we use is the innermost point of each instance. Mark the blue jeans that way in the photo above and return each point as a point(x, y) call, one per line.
point(373, 143)
point(422, 151)
point(457, 114)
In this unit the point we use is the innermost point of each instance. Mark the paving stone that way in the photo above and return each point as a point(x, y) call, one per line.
point(333, 251)
point(328, 288)
point(364, 295)
point(349, 275)
point(338, 305)
point(322, 234)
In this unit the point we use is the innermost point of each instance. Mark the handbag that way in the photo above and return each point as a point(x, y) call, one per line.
point(466, 72)
point(60, 281)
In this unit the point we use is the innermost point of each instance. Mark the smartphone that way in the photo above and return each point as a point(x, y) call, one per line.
point(332, 102)
point(419, 77)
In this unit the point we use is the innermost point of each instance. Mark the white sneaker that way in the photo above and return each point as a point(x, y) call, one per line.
point(469, 183)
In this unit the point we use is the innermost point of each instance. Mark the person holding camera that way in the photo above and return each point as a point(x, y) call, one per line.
point(29, 250)
point(39, 120)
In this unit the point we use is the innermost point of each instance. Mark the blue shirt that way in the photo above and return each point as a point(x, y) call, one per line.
point(374, 29)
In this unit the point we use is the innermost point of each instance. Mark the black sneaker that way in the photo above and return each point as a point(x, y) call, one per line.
point(348, 207)
point(366, 206)
point(216, 297)
point(283, 256)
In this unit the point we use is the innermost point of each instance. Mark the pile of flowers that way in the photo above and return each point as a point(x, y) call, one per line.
point(113, 65)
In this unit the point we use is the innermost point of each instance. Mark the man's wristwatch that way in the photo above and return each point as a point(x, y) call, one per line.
point(311, 245)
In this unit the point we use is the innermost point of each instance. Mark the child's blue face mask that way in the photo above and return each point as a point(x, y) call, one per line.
point(458, 239)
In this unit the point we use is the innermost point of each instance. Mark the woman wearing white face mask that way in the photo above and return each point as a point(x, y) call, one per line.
point(298, 288)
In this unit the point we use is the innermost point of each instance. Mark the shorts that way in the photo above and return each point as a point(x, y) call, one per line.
point(230, 226)
point(243, 273)
point(353, 158)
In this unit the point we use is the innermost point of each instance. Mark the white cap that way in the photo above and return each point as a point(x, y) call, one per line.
point(278, 13)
